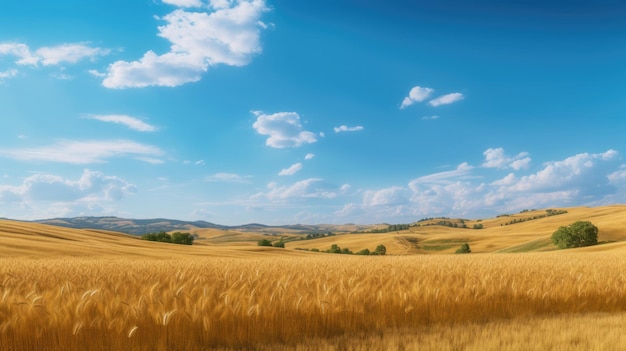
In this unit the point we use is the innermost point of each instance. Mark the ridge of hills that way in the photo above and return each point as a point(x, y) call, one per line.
point(143, 226)
point(529, 231)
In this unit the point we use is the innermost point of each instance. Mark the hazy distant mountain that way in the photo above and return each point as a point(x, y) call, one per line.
point(130, 226)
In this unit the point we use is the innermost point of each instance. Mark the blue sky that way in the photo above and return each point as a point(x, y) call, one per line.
point(282, 112)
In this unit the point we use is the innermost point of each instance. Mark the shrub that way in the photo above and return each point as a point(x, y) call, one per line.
point(465, 248)
point(364, 252)
point(577, 234)
point(280, 244)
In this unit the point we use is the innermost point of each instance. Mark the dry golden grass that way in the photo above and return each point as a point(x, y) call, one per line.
point(199, 304)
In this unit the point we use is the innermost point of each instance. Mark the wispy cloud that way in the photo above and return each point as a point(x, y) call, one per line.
point(184, 3)
point(309, 156)
point(308, 188)
point(446, 99)
point(461, 170)
point(291, 170)
point(283, 128)
point(51, 55)
point(430, 118)
point(345, 128)
point(226, 33)
point(416, 94)
point(128, 121)
point(227, 178)
point(83, 152)
point(8, 74)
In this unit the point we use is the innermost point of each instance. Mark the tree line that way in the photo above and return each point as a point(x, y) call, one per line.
point(175, 238)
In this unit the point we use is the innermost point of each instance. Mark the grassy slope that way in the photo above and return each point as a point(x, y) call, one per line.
point(28, 239)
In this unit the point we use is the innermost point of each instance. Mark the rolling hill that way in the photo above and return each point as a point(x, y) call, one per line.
point(529, 231)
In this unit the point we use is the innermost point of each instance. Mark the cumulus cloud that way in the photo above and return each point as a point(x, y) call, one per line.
point(283, 128)
point(496, 158)
point(345, 128)
point(128, 121)
point(83, 152)
point(227, 33)
point(583, 179)
point(446, 99)
point(416, 94)
point(92, 186)
point(70, 53)
point(309, 156)
point(291, 170)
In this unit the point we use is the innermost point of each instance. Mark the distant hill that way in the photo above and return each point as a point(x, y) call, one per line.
point(143, 226)
point(129, 226)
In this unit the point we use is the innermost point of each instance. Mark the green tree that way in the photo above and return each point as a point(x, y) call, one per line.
point(182, 238)
point(334, 249)
point(380, 250)
point(465, 248)
point(577, 234)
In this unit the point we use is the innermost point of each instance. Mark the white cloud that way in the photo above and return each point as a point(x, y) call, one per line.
point(583, 179)
point(200, 163)
point(68, 53)
point(308, 188)
point(583, 173)
point(82, 152)
point(52, 55)
point(96, 73)
point(227, 178)
point(283, 128)
point(446, 99)
point(8, 74)
point(228, 35)
point(293, 169)
point(444, 177)
point(309, 156)
point(389, 196)
point(345, 128)
point(184, 3)
point(417, 94)
point(21, 51)
point(496, 158)
point(128, 121)
point(430, 118)
point(92, 186)
point(150, 160)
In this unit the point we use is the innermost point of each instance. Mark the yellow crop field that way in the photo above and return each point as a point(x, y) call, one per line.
point(67, 289)
point(249, 303)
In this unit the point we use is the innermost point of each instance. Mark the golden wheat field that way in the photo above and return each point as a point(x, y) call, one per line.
point(63, 289)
